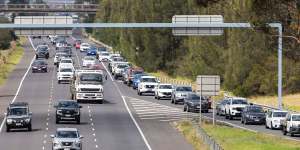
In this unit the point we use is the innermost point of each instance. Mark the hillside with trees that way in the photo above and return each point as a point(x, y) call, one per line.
point(246, 59)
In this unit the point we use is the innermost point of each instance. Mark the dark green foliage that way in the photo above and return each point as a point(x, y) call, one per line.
point(6, 36)
point(246, 59)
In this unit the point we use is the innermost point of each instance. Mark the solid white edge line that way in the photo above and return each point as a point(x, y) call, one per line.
point(129, 111)
point(20, 84)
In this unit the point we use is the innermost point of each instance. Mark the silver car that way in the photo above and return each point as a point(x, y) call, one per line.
point(67, 138)
point(180, 93)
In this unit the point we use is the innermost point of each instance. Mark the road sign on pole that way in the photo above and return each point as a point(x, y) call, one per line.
point(197, 19)
point(208, 86)
point(43, 20)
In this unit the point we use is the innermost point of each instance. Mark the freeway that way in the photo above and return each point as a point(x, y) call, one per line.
point(113, 125)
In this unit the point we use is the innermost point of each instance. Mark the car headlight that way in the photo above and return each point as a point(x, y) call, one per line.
point(77, 144)
point(27, 120)
point(178, 95)
point(56, 143)
point(58, 112)
point(34, 67)
point(9, 121)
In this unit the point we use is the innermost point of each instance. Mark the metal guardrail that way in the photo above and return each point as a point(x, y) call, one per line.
point(49, 7)
point(208, 140)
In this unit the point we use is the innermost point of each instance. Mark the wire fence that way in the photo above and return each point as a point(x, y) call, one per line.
point(208, 140)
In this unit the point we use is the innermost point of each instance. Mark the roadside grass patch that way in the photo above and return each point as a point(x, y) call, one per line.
point(10, 58)
point(186, 128)
point(237, 139)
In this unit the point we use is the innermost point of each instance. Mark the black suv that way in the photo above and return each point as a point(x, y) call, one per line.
point(18, 116)
point(67, 110)
point(192, 103)
point(253, 114)
point(42, 52)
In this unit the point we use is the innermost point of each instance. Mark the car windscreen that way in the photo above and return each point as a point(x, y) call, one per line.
point(66, 70)
point(67, 134)
point(256, 109)
point(18, 111)
point(36, 63)
point(68, 104)
point(184, 89)
point(279, 114)
point(89, 58)
point(43, 49)
point(239, 101)
point(85, 45)
point(104, 54)
point(296, 118)
point(66, 61)
point(122, 66)
point(165, 87)
point(91, 78)
point(149, 80)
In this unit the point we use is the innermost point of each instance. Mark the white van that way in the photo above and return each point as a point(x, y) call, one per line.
point(65, 73)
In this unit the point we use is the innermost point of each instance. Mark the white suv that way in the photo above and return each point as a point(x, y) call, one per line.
point(66, 138)
point(274, 117)
point(147, 85)
point(291, 124)
point(234, 107)
point(65, 73)
point(163, 91)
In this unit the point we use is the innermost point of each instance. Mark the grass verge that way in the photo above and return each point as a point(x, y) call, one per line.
point(237, 139)
point(186, 128)
point(10, 58)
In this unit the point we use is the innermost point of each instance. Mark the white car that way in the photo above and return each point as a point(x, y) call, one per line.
point(104, 56)
point(65, 73)
point(88, 61)
point(84, 47)
point(274, 117)
point(163, 91)
point(67, 138)
point(147, 85)
point(291, 124)
point(66, 61)
point(234, 107)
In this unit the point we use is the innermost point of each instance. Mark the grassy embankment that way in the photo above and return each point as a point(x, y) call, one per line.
point(186, 128)
point(10, 57)
point(291, 102)
point(237, 139)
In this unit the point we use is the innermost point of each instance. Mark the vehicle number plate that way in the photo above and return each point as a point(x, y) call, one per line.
point(68, 115)
point(198, 106)
point(257, 120)
point(18, 124)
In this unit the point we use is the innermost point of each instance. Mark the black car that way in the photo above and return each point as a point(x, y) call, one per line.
point(253, 114)
point(68, 110)
point(67, 50)
point(39, 66)
point(192, 103)
point(42, 52)
point(18, 116)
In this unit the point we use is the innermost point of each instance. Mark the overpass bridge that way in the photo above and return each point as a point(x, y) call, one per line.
point(44, 8)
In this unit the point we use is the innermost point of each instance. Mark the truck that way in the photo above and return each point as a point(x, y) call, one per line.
point(87, 85)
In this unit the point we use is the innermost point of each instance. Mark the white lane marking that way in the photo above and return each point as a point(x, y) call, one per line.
point(112, 79)
point(129, 111)
point(20, 84)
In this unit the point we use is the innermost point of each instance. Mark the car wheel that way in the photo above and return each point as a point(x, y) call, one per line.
point(158, 98)
point(29, 127)
point(272, 128)
point(184, 108)
point(58, 81)
point(245, 122)
point(284, 131)
point(242, 121)
point(7, 129)
point(292, 134)
point(175, 102)
point(267, 127)
point(188, 109)
point(56, 120)
point(78, 120)
point(226, 116)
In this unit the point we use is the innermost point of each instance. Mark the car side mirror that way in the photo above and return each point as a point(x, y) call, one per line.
point(80, 106)
point(5, 114)
point(52, 136)
point(106, 77)
point(158, 81)
point(30, 113)
point(81, 137)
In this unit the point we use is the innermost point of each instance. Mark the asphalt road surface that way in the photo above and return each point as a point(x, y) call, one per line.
point(114, 125)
